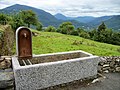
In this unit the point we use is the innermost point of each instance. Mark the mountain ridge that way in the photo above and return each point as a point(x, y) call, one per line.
point(82, 19)
point(43, 16)
point(85, 22)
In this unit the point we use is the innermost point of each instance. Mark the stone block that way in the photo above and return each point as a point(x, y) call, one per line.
point(6, 78)
point(118, 69)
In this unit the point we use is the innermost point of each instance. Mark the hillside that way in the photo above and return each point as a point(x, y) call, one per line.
point(47, 19)
point(110, 21)
point(80, 19)
point(115, 23)
point(84, 19)
point(98, 20)
point(49, 42)
point(44, 17)
point(60, 16)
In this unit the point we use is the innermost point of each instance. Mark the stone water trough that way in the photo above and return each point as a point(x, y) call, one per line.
point(46, 70)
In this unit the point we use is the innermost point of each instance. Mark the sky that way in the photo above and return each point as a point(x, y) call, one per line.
point(71, 8)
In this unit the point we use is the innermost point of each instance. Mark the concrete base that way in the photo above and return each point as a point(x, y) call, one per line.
point(43, 75)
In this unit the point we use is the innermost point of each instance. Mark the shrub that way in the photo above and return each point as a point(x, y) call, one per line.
point(74, 32)
point(50, 29)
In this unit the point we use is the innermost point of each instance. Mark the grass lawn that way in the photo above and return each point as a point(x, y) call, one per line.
point(51, 42)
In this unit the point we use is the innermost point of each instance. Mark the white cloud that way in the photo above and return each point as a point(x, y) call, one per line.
point(71, 7)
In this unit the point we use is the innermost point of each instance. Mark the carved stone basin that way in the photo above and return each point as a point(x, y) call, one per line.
point(47, 70)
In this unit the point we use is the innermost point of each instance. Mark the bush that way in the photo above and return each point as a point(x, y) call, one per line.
point(50, 29)
point(74, 32)
point(7, 41)
point(4, 19)
point(84, 35)
point(39, 26)
point(66, 28)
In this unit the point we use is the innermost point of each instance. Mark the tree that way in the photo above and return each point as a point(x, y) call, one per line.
point(16, 21)
point(29, 17)
point(116, 38)
point(101, 33)
point(74, 32)
point(80, 30)
point(4, 19)
point(66, 28)
point(50, 29)
point(84, 35)
point(101, 27)
point(93, 34)
point(39, 26)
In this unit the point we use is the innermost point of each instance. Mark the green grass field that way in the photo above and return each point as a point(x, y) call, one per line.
point(51, 42)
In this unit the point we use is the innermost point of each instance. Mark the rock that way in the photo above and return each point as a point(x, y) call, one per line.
point(112, 64)
point(1, 59)
point(118, 69)
point(5, 64)
point(5, 57)
point(8, 58)
point(106, 71)
point(97, 80)
point(109, 64)
point(6, 79)
point(101, 63)
point(99, 68)
point(88, 84)
point(106, 65)
point(118, 60)
point(105, 68)
point(35, 33)
point(111, 70)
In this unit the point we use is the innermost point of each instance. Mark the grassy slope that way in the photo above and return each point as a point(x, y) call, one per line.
point(49, 42)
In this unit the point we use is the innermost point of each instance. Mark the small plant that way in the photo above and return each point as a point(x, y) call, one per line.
point(77, 42)
point(118, 49)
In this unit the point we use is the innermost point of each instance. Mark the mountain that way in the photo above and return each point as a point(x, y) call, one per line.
point(114, 23)
point(110, 21)
point(81, 19)
point(48, 19)
point(44, 17)
point(84, 19)
point(98, 20)
point(60, 16)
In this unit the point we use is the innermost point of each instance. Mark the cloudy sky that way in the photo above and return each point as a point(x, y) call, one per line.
point(71, 8)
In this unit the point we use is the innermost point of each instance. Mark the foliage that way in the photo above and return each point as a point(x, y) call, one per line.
point(84, 35)
point(101, 27)
point(103, 34)
point(116, 38)
point(75, 33)
point(7, 40)
point(16, 21)
point(50, 29)
point(4, 19)
point(66, 28)
point(22, 18)
point(28, 17)
point(39, 26)
point(93, 34)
